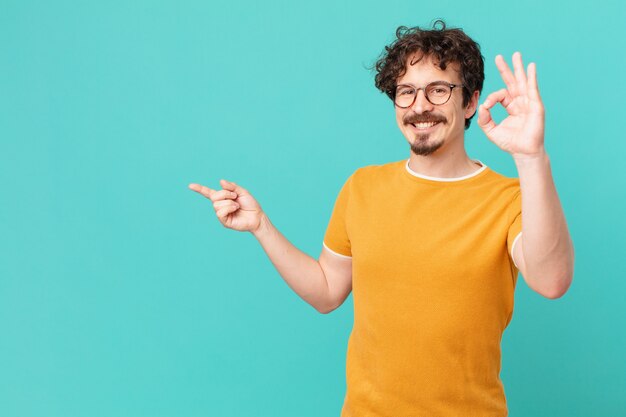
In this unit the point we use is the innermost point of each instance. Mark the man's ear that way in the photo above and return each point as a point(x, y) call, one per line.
point(472, 105)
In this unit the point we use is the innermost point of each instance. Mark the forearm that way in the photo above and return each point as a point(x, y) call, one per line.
point(547, 246)
point(301, 272)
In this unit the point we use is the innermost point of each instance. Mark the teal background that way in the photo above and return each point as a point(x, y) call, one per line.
point(122, 295)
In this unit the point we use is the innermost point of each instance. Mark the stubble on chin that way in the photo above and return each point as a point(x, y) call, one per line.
point(421, 145)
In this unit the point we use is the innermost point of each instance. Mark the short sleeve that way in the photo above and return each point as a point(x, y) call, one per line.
point(336, 238)
point(515, 224)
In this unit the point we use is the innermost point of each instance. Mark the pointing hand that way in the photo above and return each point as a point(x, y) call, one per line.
point(234, 206)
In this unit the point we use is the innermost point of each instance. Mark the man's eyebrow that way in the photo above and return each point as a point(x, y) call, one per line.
point(436, 81)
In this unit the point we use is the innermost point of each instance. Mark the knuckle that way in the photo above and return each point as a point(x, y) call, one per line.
point(225, 194)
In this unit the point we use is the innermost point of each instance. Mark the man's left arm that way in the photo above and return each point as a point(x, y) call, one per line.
point(544, 253)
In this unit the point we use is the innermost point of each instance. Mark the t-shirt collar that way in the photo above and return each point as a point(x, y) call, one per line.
point(427, 177)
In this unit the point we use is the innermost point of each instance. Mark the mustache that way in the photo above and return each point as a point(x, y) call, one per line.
point(423, 118)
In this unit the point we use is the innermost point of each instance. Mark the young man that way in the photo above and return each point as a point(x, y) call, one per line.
point(431, 246)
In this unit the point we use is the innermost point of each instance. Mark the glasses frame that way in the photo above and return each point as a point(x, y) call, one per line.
point(417, 89)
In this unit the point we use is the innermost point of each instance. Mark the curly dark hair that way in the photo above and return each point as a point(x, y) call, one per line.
point(444, 46)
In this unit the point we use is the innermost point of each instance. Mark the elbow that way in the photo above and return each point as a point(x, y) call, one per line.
point(324, 308)
point(553, 295)
point(553, 283)
point(552, 276)
point(328, 307)
point(559, 288)
point(564, 279)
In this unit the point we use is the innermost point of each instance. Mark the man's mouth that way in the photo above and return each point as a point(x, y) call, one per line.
point(424, 126)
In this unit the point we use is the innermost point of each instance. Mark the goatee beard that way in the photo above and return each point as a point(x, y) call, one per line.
point(421, 145)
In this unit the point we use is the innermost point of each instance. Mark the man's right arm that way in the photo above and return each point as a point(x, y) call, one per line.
point(324, 284)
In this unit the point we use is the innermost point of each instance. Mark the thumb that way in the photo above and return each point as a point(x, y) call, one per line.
point(229, 185)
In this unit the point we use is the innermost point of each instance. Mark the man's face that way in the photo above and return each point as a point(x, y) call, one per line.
point(449, 118)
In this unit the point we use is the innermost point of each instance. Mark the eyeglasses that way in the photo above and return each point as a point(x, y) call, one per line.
point(437, 93)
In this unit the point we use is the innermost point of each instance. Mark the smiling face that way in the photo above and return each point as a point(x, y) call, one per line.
point(428, 127)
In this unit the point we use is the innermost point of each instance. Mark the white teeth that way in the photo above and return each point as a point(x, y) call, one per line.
point(424, 125)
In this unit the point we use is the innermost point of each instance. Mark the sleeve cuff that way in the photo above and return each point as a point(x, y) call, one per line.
point(513, 248)
point(335, 253)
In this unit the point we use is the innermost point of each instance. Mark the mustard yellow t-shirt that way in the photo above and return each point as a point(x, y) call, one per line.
point(432, 285)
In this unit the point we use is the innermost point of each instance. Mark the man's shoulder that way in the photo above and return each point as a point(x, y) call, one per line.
point(501, 185)
point(377, 171)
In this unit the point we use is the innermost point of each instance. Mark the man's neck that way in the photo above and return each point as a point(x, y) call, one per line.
point(439, 165)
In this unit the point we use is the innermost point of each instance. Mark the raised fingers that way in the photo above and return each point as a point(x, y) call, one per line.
point(533, 87)
point(520, 75)
point(507, 75)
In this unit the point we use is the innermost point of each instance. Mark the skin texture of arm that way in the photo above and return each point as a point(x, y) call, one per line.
point(545, 252)
point(303, 274)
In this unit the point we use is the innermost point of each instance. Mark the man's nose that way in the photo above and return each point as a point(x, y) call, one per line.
point(421, 104)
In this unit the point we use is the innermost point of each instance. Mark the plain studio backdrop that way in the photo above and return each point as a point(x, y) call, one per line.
point(122, 295)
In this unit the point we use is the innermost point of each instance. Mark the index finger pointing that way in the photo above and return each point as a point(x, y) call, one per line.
point(205, 191)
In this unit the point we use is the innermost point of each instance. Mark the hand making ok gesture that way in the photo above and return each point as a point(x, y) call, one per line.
point(521, 133)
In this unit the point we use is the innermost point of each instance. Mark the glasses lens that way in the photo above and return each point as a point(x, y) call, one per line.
point(438, 93)
point(404, 96)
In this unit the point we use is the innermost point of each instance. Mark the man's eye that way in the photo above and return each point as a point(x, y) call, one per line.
point(404, 92)
point(439, 91)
